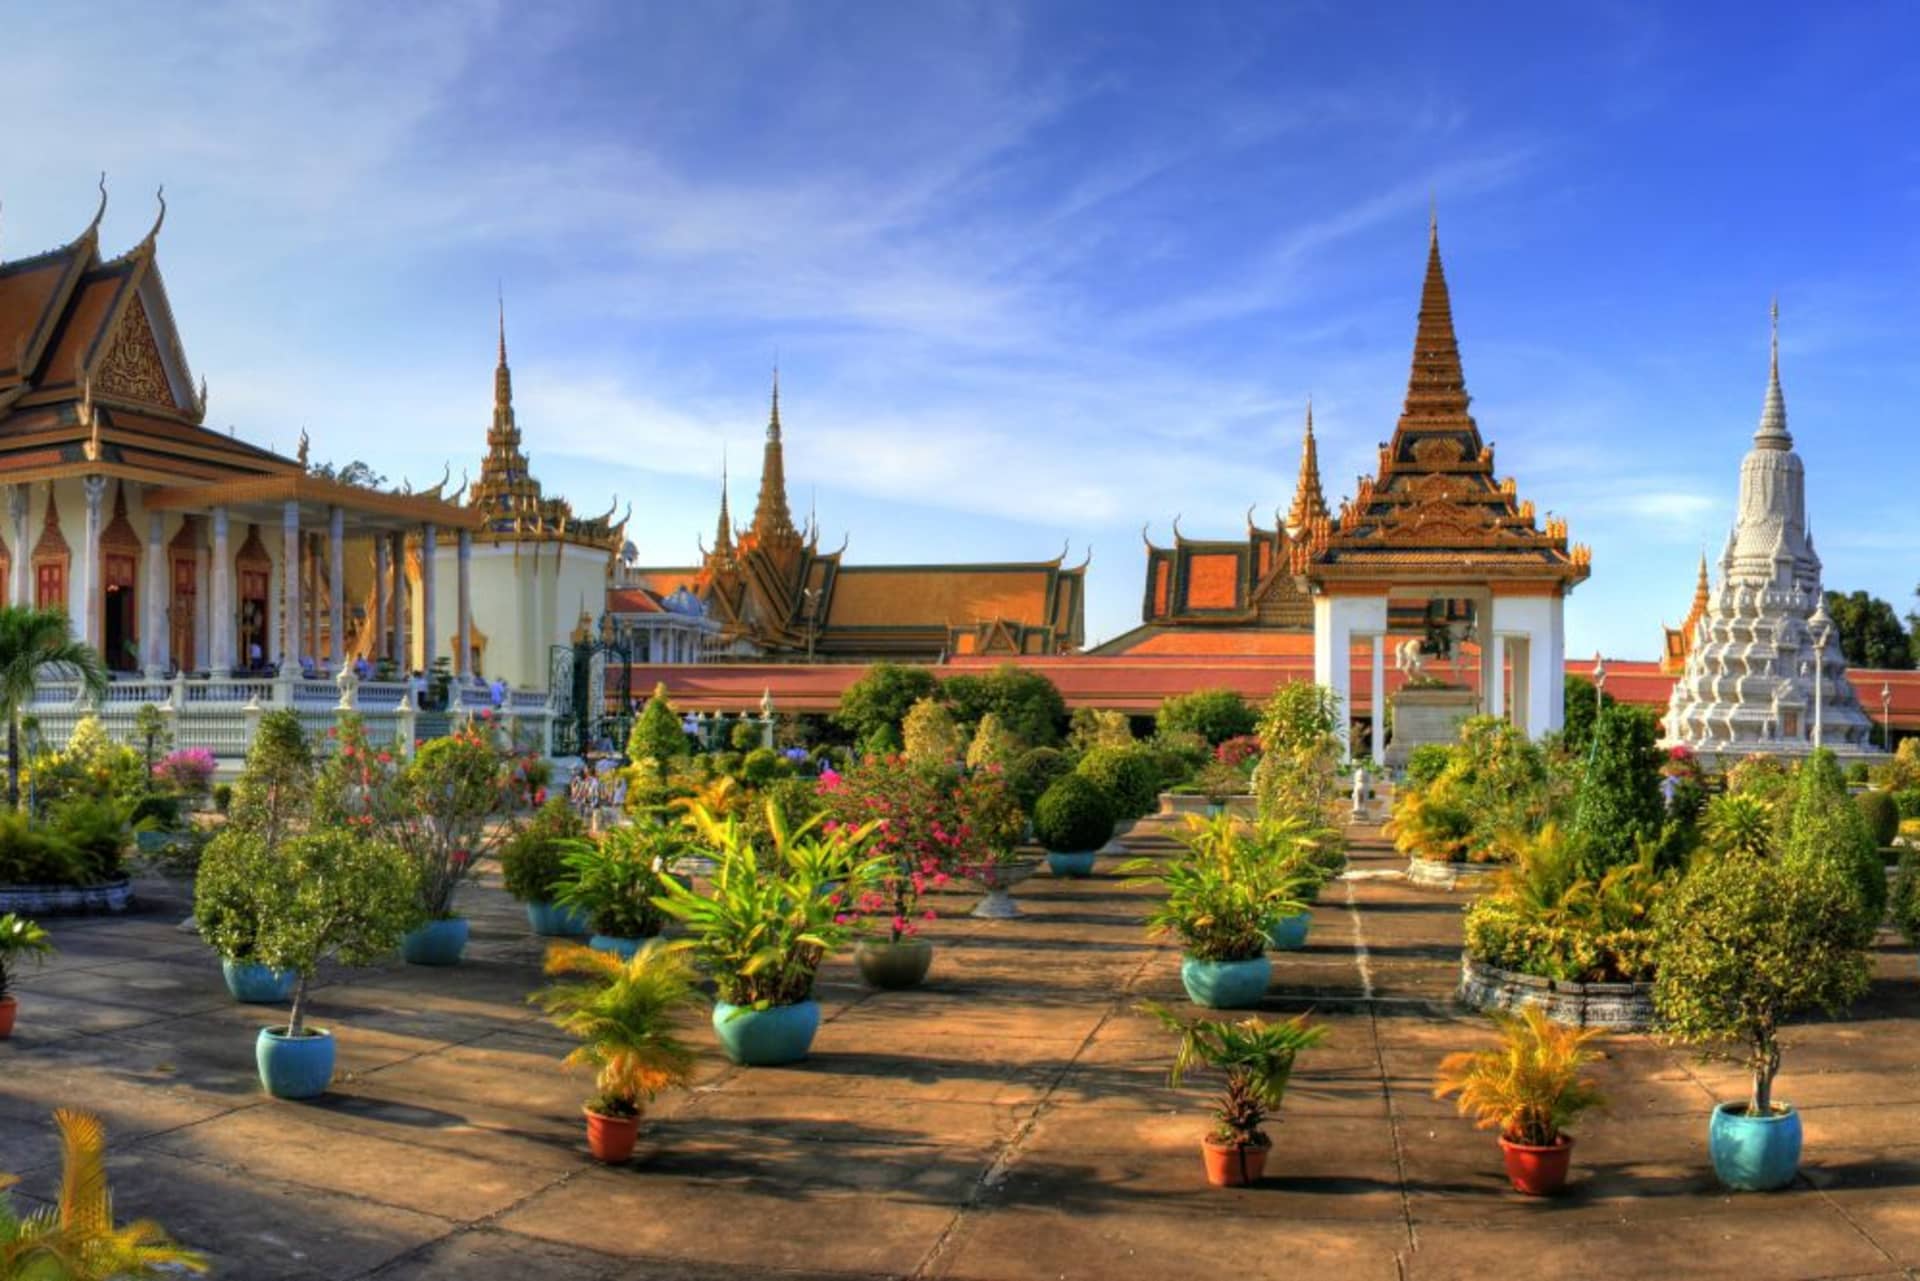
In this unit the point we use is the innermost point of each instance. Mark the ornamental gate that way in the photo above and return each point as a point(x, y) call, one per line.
point(592, 695)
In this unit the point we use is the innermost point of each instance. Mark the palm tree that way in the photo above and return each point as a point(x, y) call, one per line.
point(622, 1013)
point(30, 639)
point(76, 1240)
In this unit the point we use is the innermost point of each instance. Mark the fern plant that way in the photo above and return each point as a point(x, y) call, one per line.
point(622, 1014)
point(1529, 1087)
point(76, 1240)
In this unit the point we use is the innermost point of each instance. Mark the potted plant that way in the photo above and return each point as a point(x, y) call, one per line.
point(613, 879)
point(762, 932)
point(1256, 1058)
point(1072, 819)
point(1530, 1090)
point(1741, 945)
point(455, 806)
point(227, 912)
point(533, 867)
point(992, 824)
point(1290, 860)
point(621, 1011)
point(1218, 910)
point(331, 892)
point(20, 939)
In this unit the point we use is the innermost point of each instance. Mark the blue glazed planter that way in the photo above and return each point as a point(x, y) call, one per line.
point(436, 942)
point(256, 984)
point(294, 1067)
point(766, 1038)
point(550, 920)
point(1226, 985)
point(1289, 933)
point(622, 948)
point(1074, 864)
point(1754, 1153)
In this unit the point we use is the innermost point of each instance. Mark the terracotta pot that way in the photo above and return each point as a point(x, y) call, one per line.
point(8, 1008)
point(1231, 1165)
point(1537, 1171)
point(611, 1138)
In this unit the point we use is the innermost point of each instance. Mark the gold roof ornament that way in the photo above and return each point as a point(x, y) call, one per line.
point(305, 445)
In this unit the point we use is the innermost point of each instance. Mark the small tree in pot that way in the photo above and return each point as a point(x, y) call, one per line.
point(1530, 1090)
point(1072, 820)
point(326, 894)
point(19, 940)
point(1257, 1058)
point(1742, 945)
point(622, 1011)
point(533, 867)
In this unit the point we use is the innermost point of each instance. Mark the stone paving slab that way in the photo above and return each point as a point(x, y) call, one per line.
point(1009, 1121)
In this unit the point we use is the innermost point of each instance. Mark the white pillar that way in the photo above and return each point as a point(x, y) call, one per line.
point(154, 641)
point(220, 630)
point(463, 596)
point(1379, 698)
point(336, 587)
point(290, 589)
point(1335, 620)
point(1550, 687)
point(381, 636)
point(88, 579)
point(1495, 698)
point(429, 544)
point(20, 590)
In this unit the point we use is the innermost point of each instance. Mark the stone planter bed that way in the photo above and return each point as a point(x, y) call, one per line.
point(1194, 803)
point(67, 900)
point(1432, 874)
point(1625, 1007)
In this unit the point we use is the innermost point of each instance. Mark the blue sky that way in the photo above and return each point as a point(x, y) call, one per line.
point(1032, 273)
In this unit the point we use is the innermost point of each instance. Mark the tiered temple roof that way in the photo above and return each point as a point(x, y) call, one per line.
point(1434, 511)
point(1677, 642)
point(509, 497)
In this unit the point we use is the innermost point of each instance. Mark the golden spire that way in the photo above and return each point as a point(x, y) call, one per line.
point(772, 519)
point(1436, 386)
point(723, 536)
point(1309, 502)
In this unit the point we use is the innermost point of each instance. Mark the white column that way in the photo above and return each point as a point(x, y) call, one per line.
point(20, 590)
point(1550, 686)
point(154, 641)
point(1495, 697)
point(463, 597)
point(336, 587)
point(1379, 698)
point(88, 579)
point(290, 589)
point(1335, 620)
point(381, 637)
point(220, 629)
point(429, 544)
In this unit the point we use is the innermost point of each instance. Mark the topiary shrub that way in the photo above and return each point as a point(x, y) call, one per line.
point(1215, 714)
point(532, 862)
point(1073, 815)
point(745, 736)
point(1825, 826)
point(222, 797)
point(1130, 775)
point(930, 735)
point(1033, 772)
point(1426, 763)
point(657, 734)
point(1882, 815)
point(1619, 803)
point(762, 765)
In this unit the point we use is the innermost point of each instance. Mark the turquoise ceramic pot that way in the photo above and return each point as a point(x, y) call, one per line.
point(1226, 985)
point(256, 984)
point(294, 1067)
point(766, 1038)
point(550, 920)
point(622, 948)
point(1075, 864)
point(1754, 1153)
point(436, 942)
point(1289, 933)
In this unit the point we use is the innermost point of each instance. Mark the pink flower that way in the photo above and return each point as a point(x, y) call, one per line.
point(929, 915)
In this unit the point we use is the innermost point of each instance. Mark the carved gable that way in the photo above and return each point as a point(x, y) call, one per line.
point(133, 369)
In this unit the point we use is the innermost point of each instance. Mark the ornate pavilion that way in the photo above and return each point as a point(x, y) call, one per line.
point(215, 577)
point(777, 597)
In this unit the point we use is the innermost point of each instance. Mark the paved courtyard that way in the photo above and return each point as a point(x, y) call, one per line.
point(1010, 1120)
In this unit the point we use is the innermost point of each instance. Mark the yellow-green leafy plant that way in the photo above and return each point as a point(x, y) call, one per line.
point(623, 1015)
point(76, 1238)
point(1256, 1058)
point(1530, 1086)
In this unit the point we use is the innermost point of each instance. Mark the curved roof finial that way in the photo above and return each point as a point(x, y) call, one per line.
point(153, 234)
point(99, 213)
point(1086, 561)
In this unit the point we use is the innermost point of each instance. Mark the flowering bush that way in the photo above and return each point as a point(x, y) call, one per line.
point(922, 836)
point(188, 771)
point(1238, 750)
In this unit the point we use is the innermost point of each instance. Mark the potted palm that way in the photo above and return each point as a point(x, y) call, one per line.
point(612, 880)
point(1072, 819)
point(762, 932)
point(1530, 1090)
point(1740, 946)
point(330, 893)
point(19, 940)
point(1219, 911)
point(31, 640)
point(227, 912)
point(533, 868)
point(1256, 1058)
point(77, 1239)
point(621, 1011)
